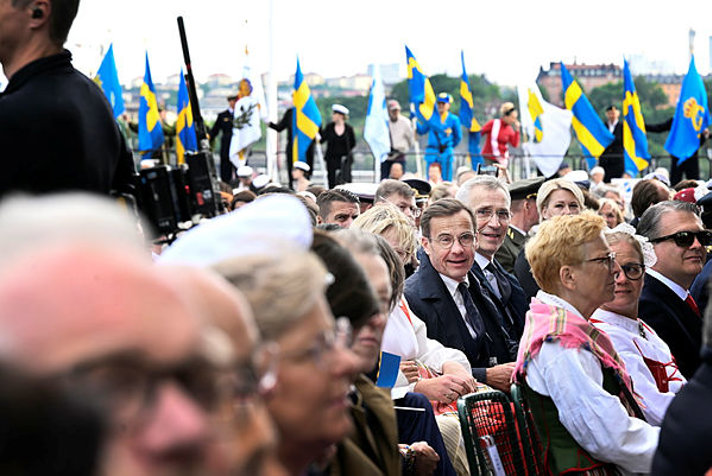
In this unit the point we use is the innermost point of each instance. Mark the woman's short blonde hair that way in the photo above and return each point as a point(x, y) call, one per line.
point(386, 216)
point(602, 202)
point(542, 197)
point(507, 106)
point(281, 288)
point(559, 242)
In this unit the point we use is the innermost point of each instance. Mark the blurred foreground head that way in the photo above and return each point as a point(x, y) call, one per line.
point(103, 321)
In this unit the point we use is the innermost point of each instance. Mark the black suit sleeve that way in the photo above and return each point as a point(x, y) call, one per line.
point(283, 123)
point(215, 130)
point(660, 127)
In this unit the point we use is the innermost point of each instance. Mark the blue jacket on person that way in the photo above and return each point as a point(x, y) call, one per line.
point(449, 137)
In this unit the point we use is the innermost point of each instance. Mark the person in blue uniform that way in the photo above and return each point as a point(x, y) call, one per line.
point(442, 142)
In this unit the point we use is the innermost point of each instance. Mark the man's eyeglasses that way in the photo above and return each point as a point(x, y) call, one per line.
point(609, 259)
point(486, 214)
point(446, 241)
point(340, 337)
point(685, 239)
point(633, 271)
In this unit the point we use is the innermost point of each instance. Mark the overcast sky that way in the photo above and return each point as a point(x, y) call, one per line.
point(506, 40)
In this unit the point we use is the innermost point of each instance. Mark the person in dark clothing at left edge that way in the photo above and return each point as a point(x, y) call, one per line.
point(223, 125)
point(57, 130)
point(340, 141)
point(612, 158)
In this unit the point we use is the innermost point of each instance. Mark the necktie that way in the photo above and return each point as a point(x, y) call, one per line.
point(472, 315)
point(693, 305)
point(492, 280)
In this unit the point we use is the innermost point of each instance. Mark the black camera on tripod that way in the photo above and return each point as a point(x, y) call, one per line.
point(173, 199)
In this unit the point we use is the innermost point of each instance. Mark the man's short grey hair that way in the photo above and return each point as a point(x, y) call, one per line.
point(487, 182)
point(30, 222)
point(649, 225)
point(393, 187)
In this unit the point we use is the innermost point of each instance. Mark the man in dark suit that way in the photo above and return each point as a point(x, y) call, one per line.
point(223, 124)
point(453, 303)
point(524, 216)
point(675, 229)
point(488, 199)
point(612, 158)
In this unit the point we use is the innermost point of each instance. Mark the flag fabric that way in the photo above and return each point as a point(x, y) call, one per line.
point(692, 116)
point(635, 142)
point(107, 77)
point(388, 366)
point(590, 131)
point(421, 93)
point(555, 125)
point(246, 126)
point(306, 119)
point(150, 132)
point(186, 140)
point(258, 91)
point(535, 112)
point(375, 130)
point(467, 117)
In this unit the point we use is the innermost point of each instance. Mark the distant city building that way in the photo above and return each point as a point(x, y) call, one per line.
point(359, 82)
point(219, 80)
point(589, 76)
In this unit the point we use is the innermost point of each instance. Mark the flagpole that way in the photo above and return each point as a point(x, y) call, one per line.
point(272, 144)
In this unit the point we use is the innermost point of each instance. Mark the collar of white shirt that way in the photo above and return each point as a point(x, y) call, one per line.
point(481, 261)
point(452, 285)
point(676, 288)
point(609, 317)
point(553, 300)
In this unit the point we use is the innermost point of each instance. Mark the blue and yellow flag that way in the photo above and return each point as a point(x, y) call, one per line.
point(635, 143)
point(186, 140)
point(150, 132)
point(536, 110)
point(692, 116)
point(421, 93)
point(467, 116)
point(591, 133)
point(108, 80)
point(306, 119)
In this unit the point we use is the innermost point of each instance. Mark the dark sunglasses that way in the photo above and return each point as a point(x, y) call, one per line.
point(684, 239)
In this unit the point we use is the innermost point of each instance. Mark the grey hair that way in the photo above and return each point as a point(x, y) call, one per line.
point(29, 222)
point(649, 224)
point(487, 182)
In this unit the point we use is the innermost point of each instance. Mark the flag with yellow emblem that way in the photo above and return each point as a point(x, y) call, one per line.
point(692, 116)
point(635, 142)
point(306, 118)
point(590, 131)
point(421, 93)
point(186, 140)
point(108, 80)
point(467, 116)
point(536, 110)
point(150, 132)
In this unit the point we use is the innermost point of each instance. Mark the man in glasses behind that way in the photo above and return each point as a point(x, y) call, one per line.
point(676, 232)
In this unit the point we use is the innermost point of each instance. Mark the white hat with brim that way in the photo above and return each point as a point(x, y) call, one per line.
point(340, 109)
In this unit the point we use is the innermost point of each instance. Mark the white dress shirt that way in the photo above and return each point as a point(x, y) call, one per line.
point(452, 285)
point(625, 333)
point(597, 420)
point(409, 339)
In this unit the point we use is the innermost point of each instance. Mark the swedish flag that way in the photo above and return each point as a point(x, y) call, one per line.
point(306, 119)
point(536, 110)
point(108, 80)
point(150, 132)
point(591, 133)
point(692, 116)
point(186, 140)
point(421, 93)
point(467, 116)
point(635, 143)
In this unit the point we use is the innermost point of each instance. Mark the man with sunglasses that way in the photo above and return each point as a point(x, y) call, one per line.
point(448, 297)
point(676, 231)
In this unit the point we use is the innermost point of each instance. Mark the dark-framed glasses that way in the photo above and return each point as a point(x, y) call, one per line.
point(486, 214)
point(685, 239)
point(446, 241)
point(608, 260)
point(340, 337)
point(633, 271)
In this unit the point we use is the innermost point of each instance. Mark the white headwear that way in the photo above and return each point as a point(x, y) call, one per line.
point(270, 223)
point(649, 257)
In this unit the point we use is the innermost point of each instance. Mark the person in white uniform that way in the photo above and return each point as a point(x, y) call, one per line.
point(647, 357)
point(582, 400)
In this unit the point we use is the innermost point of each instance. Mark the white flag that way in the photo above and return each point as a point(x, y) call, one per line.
point(246, 128)
point(375, 130)
point(556, 132)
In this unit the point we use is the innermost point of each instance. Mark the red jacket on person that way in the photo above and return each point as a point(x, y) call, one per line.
point(498, 134)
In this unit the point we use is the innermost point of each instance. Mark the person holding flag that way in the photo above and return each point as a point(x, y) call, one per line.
point(688, 128)
point(442, 137)
point(186, 140)
point(246, 123)
point(500, 133)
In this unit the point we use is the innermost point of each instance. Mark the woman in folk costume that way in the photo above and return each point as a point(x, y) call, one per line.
point(581, 396)
point(647, 357)
point(500, 133)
